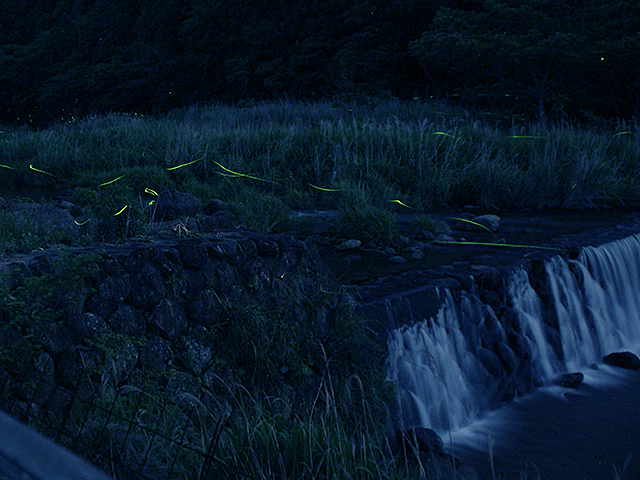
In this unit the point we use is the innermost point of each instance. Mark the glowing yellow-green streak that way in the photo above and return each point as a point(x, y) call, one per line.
point(111, 181)
point(325, 189)
point(403, 204)
point(152, 192)
point(81, 223)
point(121, 210)
point(238, 174)
point(473, 223)
point(7, 166)
point(40, 171)
point(228, 175)
point(445, 134)
point(487, 244)
point(622, 133)
point(185, 164)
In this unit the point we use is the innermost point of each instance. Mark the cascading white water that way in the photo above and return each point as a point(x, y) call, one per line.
point(528, 309)
point(443, 384)
point(597, 301)
point(442, 380)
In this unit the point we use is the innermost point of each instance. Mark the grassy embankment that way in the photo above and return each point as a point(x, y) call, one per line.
point(267, 159)
point(142, 428)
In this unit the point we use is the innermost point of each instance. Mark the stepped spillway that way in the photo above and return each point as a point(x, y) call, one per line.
point(451, 368)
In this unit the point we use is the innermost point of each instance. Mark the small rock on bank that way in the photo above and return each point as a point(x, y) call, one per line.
point(477, 224)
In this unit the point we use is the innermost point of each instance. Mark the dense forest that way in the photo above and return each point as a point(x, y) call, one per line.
point(576, 59)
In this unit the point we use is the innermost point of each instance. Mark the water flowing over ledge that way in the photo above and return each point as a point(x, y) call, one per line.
point(459, 363)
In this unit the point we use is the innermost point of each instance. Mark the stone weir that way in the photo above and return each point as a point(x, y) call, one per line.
point(471, 303)
point(184, 314)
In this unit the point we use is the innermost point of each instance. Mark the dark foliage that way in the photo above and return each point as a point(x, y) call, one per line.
point(61, 60)
point(539, 58)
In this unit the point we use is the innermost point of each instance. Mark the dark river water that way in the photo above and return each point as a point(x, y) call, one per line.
point(590, 433)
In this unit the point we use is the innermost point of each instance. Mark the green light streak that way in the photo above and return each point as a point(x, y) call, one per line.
point(185, 164)
point(40, 171)
point(445, 134)
point(489, 244)
point(222, 174)
point(473, 223)
point(403, 204)
point(111, 181)
point(238, 174)
point(121, 210)
point(325, 189)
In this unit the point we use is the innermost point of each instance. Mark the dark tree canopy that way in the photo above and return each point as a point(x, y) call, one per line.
point(538, 56)
point(62, 59)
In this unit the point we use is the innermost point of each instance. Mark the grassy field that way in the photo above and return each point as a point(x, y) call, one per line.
point(369, 161)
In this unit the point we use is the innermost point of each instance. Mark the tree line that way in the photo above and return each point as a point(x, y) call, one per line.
point(538, 58)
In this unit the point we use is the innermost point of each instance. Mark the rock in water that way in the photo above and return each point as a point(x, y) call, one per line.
point(628, 360)
point(569, 380)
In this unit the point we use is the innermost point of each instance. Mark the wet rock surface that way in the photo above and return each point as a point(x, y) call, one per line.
point(626, 360)
point(569, 380)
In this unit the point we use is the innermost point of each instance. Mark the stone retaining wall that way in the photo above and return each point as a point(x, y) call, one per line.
point(177, 315)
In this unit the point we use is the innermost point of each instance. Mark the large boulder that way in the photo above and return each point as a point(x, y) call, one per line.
point(172, 204)
point(628, 360)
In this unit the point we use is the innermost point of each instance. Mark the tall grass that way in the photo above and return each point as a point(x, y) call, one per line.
point(425, 155)
point(325, 442)
point(141, 432)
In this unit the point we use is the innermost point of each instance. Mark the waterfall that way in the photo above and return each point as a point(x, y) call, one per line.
point(451, 368)
point(597, 301)
point(529, 311)
point(444, 385)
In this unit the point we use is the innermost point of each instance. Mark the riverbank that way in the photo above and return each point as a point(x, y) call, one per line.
point(520, 234)
point(448, 259)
